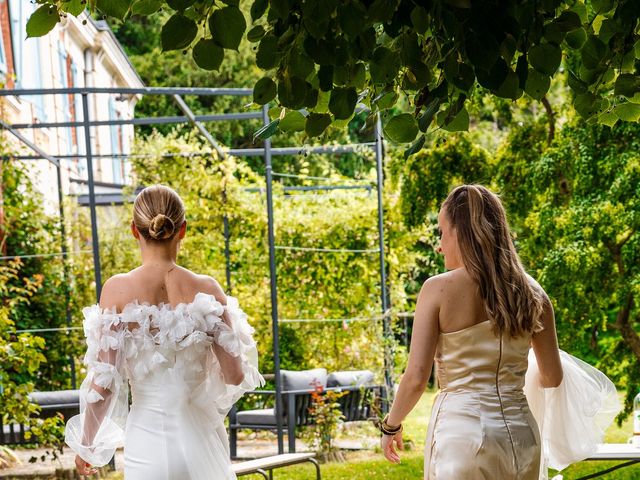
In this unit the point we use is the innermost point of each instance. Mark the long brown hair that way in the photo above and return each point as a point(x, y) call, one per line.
point(511, 302)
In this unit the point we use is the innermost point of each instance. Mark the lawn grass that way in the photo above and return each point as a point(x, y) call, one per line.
point(366, 465)
point(370, 464)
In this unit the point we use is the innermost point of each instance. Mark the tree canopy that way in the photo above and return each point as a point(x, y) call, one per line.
point(323, 57)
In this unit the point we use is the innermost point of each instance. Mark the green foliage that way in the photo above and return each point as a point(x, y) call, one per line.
point(21, 356)
point(30, 231)
point(436, 54)
point(578, 232)
point(428, 176)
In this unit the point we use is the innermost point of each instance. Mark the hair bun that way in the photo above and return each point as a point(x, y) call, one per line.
point(161, 227)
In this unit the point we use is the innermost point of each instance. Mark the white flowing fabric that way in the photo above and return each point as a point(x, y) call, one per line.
point(175, 428)
point(572, 417)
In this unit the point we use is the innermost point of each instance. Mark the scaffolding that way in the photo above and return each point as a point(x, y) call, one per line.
point(93, 200)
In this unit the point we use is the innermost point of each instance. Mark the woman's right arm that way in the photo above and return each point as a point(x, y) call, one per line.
point(104, 392)
point(545, 347)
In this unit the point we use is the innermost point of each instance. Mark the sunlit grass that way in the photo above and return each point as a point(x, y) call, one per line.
point(369, 464)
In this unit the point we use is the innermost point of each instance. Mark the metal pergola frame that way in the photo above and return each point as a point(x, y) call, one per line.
point(267, 152)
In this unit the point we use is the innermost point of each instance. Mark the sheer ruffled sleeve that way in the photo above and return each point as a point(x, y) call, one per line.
point(236, 339)
point(572, 417)
point(98, 430)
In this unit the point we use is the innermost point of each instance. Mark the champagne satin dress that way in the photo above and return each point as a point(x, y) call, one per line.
point(481, 427)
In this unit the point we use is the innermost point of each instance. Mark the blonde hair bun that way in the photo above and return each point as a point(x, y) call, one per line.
point(161, 227)
point(158, 213)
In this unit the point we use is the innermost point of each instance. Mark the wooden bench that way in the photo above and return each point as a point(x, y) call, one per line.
point(265, 466)
point(629, 454)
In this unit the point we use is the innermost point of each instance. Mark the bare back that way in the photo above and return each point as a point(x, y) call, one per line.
point(460, 303)
point(155, 286)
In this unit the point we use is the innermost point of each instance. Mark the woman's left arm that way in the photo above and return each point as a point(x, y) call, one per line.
point(424, 340)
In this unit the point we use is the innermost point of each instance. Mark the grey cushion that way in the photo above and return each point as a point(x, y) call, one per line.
point(61, 397)
point(353, 378)
point(265, 416)
point(303, 379)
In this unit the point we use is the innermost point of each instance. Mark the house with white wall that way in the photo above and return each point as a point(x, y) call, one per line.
point(78, 52)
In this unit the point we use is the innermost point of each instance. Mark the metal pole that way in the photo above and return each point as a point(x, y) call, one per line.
point(65, 271)
point(92, 196)
point(227, 252)
point(387, 333)
point(274, 287)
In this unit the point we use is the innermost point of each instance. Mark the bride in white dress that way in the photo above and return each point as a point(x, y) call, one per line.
point(183, 346)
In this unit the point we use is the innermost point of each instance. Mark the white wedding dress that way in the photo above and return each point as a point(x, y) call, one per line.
point(175, 429)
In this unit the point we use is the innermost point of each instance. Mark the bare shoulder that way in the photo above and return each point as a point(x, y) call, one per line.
point(446, 280)
point(538, 288)
point(115, 291)
point(204, 284)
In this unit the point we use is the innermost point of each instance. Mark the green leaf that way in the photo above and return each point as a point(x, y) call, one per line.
point(42, 21)
point(629, 112)
point(264, 91)
point(267, 55)
point(545, 58)
point(577, 85)
point(343, 102)
point(293, 121)
point(255, 34)
point(576, 38)
point(415, 146)
point(593, 51)
point(258, 8)
point(602, 6)
point(586, 104)
point(300, 64)
point(384, 65)
point(227, 27)
point(552, 33)
point(267, 131)
point(74, 7)
point(178, 32)
point(292, 92)
point(420, 19)
point(608, 118)
point(350, 16)
point(581, 9)
point(537, 84)
point(386, 100)
point(627, 85)
point(427, 116)
point(180, 5)
point(465, 77)
point(146, 7)
point(510, 88)
point(608, 29)
point(568, 21)
point(401, 128)
point(317, 123)
point(459, 123)
point(114, 8)
point(208, 54)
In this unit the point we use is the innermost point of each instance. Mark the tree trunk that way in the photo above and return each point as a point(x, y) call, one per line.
point(629, 335)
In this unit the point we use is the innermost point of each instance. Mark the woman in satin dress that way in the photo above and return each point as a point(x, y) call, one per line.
point(183, 347)
point(478, 320)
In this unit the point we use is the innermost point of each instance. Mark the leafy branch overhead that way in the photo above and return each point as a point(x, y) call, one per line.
point(323, 57)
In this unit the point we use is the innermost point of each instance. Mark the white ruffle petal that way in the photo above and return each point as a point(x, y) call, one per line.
point(93, 396)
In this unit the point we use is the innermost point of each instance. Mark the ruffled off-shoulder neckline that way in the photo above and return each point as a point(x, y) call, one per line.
point(161, 307)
